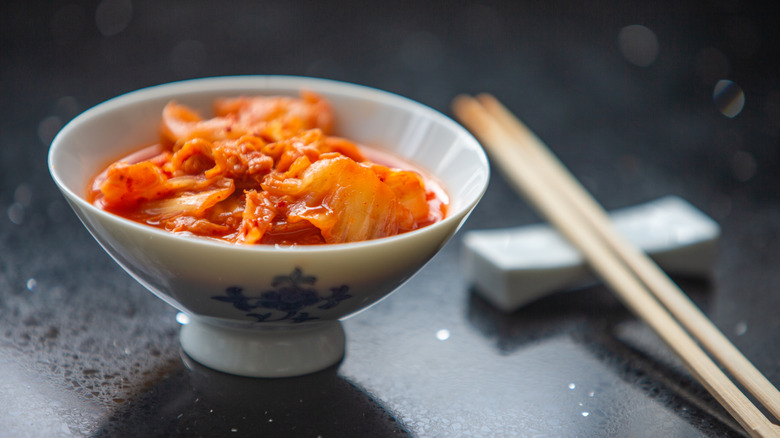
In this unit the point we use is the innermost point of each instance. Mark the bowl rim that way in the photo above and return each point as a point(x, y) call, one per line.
point(261, 82)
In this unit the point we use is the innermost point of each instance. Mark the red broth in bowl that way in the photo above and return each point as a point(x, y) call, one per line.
point(267, 170)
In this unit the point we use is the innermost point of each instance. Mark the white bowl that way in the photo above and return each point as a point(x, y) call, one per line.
point(262, 310)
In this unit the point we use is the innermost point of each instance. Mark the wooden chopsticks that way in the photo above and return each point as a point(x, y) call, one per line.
point(640, 284)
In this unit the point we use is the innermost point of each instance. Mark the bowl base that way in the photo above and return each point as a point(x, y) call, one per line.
point(265, 352)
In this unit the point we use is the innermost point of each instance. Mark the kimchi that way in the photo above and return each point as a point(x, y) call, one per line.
point(266, 170)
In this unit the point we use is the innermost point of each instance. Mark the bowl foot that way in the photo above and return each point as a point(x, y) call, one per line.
point(276, 352)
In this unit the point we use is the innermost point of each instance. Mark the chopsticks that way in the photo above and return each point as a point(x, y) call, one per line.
point(638, 282)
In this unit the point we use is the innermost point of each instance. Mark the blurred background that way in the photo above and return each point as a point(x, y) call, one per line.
point(640, 99)
point(697, 80)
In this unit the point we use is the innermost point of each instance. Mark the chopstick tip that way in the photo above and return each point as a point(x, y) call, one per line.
point(460, 101)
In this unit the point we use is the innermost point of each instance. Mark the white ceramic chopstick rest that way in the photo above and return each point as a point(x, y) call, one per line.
point(513, 267)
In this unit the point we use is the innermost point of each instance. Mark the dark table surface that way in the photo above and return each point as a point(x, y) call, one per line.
point(86, 351)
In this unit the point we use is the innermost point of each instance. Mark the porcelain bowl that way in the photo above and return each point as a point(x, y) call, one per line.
point(263, 310)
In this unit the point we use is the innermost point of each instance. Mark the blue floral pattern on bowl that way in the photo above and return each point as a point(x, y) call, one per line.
point(291, 294)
